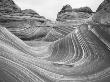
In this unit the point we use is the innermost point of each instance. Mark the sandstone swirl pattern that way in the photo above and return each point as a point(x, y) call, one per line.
point(81, 56)
point(38, 50)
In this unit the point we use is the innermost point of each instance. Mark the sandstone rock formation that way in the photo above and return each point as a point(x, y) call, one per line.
point(29, 11)
point(80, 56)
point(8, 6)
point(23, 23)
point(21, 26)
point(53, 35)
point(74, 51)
point(66, 8)
point(102, 5)
point(67, 13)
point(103, 13)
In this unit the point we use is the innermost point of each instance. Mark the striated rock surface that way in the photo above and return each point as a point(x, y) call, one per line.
point(67, 13)
point(29, 11)
point(23, 26)
point(83, 9)
point(23, 23)
point(66, 8)
point(53, 35)
point(103, 13)
point(81, 56)
point(8, 6)
point(35, 49)
point(102, 5)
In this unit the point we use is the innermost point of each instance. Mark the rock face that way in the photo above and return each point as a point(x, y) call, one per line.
point(80, 56)
point(30, 12)
point(66, 8)
point(103, 13)
point(8, 6)
point(21, 22)
point(67, 13)
point(103, 4)
point(83, 9)
point(66, 51)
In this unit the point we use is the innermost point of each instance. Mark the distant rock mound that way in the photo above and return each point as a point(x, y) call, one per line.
point(103, 4)
point(67, 13)
point(8, 6)
point(29, 12)
point(83, 9)
point(66, 8)
point(23, 23)
point(102, 14)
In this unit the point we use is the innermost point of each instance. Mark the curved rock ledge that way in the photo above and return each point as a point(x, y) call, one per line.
point(35, 49)
point(81, 56)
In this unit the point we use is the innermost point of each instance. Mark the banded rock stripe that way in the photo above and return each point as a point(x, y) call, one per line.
point(80, 56)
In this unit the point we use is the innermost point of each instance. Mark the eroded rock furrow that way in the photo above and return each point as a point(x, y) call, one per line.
point(67, 62)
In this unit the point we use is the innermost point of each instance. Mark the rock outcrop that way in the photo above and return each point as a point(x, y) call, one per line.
point(83, 9)
point(29, 11)
point(80, 56)
point(66, 8)
point(53, 35)
point(23, 23)
point(67, 13)
point(103, 13)
point(70, 51)
point(102, 5)
point(8, 7)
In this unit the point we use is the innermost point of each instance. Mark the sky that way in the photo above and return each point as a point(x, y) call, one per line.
point(50, 8)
